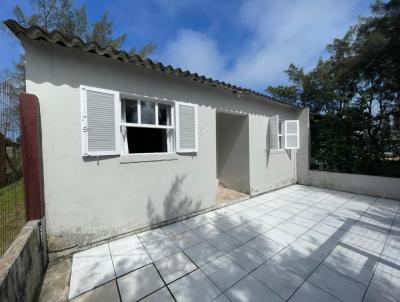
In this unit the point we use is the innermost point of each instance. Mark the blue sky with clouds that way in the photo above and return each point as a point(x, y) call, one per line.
point(248, 42)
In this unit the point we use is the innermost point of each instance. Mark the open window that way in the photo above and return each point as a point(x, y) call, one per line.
point(292, 137)
point(147, 126)
point(283, 134)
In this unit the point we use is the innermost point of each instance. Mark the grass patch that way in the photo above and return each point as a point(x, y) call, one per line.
point(12, 213)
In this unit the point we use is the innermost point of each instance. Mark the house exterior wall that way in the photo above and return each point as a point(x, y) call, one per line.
point(90, 199)
point(233, 151)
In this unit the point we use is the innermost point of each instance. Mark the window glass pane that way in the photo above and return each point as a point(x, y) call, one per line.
point(164, 114)
point(147, 140)
point(148, 112)
point(280, 128)
point(131, 113)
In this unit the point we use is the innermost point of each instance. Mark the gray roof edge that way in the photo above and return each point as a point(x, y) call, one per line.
point(56, 37)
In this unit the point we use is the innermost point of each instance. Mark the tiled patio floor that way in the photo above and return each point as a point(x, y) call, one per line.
point(298, 244)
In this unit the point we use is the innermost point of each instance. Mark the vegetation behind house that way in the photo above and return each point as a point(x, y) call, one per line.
point(354, 97)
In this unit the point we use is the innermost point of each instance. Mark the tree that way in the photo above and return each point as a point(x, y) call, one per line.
point(61, 15)
point(358, 83)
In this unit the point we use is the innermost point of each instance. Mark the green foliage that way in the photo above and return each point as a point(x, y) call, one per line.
point(71, 21)
point(12, 213)
point(355, 94)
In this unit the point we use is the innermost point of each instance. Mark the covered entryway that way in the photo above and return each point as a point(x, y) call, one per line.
point(232, 157)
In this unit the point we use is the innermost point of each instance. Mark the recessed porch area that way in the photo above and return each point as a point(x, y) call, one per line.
point(232, 146)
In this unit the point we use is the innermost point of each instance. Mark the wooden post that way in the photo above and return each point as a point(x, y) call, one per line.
point(32, 156)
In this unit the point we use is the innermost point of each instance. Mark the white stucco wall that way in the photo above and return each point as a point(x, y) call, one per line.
point(90, 199)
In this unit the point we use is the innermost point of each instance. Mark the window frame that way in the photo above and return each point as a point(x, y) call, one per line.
point(170, 129)
point(297, 134)
point(280, 135)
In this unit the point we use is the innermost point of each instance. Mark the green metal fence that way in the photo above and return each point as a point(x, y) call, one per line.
point(12, 207)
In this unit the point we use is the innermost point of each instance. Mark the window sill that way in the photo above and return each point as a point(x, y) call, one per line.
point(147, 157)
point(278, 151)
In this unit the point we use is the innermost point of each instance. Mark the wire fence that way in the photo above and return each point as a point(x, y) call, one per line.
point(12, 206)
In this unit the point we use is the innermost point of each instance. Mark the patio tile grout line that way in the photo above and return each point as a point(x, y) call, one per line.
point(99, 285)
point(115, 272)
point(244, 243)
point(153, 263)
point(250, 272)
point(332, 268)
point(308, 277)
point(380, 256)
point(224, 253)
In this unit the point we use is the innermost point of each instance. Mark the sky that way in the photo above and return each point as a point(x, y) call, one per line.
point(249, 43)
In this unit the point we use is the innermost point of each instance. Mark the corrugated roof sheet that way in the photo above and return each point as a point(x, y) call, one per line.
point(56, 37)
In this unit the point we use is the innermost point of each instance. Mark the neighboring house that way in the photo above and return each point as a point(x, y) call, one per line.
point(128, 143)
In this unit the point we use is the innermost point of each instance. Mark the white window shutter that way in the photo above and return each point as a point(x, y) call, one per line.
point(292, 137)
point(186, 128)
point(273, 126)
point(100, 116)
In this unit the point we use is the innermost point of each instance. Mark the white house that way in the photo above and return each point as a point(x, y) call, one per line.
point(128, 143)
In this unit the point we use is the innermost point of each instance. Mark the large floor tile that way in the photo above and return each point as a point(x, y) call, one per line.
point(297, 263)
point(292, 228)
point(195, 287)
point(386, 283)
point(139, 283)
point(374, 295)
point(315, 252)
point(92, 275)
point(207, 231)
point(129, 260)
point(258, 226)
point(104, 293)
point(162, 295)
point(90, 257)
point(271, 220)
point(328, 230)
point(353, 263)
point(227, 223)
point(162, 249)
point(303, 221)
point(123, 245)
point(247, 257)
point(187, 239)
point(365, 243)
point(242, 233)
point(391, 252)
point(221, 298)
point(151, 236)
point(389, 266)
point(280, 236)
point(202, 253)
point(308, 292)
point(224, 242)
point(322, 240)
point(196, 221)
point(337, 284)
point(224, 272)
point(174, 267)
point(175, 228)
point(278, 279)
point(265, 246)
point(250, 289)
